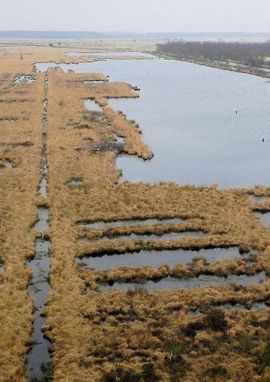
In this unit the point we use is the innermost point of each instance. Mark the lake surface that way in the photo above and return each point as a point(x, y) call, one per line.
point(188, 117)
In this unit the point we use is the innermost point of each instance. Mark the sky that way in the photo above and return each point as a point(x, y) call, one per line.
point(136, 15)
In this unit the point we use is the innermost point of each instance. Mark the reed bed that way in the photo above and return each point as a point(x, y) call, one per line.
point(116, 336)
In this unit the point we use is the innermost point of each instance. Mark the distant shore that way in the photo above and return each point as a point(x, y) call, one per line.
point(231, 66)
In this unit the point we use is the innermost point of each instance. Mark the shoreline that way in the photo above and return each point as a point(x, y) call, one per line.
point(237, 68)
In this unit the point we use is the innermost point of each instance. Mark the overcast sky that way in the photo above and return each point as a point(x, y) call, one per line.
point(136, 15)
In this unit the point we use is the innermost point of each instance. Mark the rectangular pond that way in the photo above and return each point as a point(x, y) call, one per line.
point(158, 258)
point(204, 125)
point(171, 283)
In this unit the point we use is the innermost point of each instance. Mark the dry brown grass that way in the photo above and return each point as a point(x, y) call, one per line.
point(18, 196)
point(138, 335)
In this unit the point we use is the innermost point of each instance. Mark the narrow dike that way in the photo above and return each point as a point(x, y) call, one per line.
point(39, 287)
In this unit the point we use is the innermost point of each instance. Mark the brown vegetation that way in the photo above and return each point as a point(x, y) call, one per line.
point(134, 336)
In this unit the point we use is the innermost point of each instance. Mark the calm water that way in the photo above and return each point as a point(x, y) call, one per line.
point(147, 237)
point(202, 281)
point(146, 258)
point(131, 222)
point(92, 106)
point(188, 118)
point(42, 223)
point(264, 218)
point(39, 288)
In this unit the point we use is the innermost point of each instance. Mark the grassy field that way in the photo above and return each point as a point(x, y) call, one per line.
point(169, 335)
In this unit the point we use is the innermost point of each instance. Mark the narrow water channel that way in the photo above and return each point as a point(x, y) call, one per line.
point(172, 283)
point(146, 237)
point(128, 222)
point(255, 307)
point(39, 355)
point(158, 258)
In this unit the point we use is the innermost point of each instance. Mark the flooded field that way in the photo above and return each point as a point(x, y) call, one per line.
point(156, 258)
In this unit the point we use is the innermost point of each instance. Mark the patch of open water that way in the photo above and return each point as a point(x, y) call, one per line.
point(264, 217)
point(24, 80)
point(128, 222)
point(91, 105)
point(157, 258)
point(172, 283)
point(258, 199)
point(42, 223)
point(39, 288)
point(188, 117)
point(147, 237)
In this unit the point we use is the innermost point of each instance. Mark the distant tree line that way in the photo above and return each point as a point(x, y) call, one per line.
point(252, 54)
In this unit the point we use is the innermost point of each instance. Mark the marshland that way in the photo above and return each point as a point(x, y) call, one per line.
point(134, 216)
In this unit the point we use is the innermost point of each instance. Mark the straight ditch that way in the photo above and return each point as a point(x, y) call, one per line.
point(39, 355)
point(145, 238)
point(156, 258)
point(171, 283)
point(128, 222)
